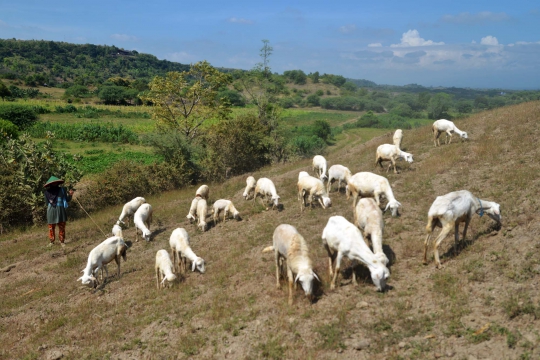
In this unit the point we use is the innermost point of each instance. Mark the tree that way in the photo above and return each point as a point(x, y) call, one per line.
point(265, 53)
point(322, 129)
point(439, 105)
point(184, 101)
point(112, 94)
point(4, 91)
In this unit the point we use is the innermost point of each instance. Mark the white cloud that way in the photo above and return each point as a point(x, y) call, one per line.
point(489, 40)
point(412, 38)
point(183, 57)
point(479, 18)
point(123, 37)
point(375, 45)
point(347, 29)
point(239, 21)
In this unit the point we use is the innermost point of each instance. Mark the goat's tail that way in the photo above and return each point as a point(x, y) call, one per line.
point(268, 249)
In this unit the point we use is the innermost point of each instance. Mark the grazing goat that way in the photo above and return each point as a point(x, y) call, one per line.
point(301, 174)
point(448, 127)
point(319, 167)
point(366, 184)
point(449, 210)
point(341, 238)
point(130, 208)
point(182, 252)
point(110, 249)
point(202, 211)
point(313, 188)
point(388, 152)
point(265, 188)
point(164, 269)
point(339, 173)
point(192, 214)
point(250, 187)
point(290, 246)
point(368, 217)
point(143, 220)
point(227, 207)
point(398, 136)
point(203, 191)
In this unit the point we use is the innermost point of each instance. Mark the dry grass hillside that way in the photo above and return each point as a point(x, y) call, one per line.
point(484, 302)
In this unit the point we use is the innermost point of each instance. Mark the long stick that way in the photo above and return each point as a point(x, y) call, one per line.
point(77, 200)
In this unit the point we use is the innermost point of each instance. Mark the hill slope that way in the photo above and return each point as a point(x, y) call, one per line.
point(484, 303)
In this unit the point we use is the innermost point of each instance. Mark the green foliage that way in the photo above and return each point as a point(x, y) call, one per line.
point(185, 101)
point(4, 91)
point(438, 106)
point(77, 91)
point(314, 77)
point(336, 80)
point(100, 161)
point(8, 130)
point(298, 77)
point(20, 115)
point(313, 100)
point(349, 86)
point(113, 95)
point(286, 102)
point(108, 132)
point(307, 146)
point(321, 128)
point(236, 146)
point(24, 167)
point(233, 96)
point(18, 93)
point(343, 103)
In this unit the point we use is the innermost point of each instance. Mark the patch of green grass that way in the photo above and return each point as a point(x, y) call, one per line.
point(272, 349)
point(331, 335)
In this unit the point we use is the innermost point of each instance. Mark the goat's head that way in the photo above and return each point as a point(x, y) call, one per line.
point(147, 234)
point(236, 215)
point(88, 280)
point(394, 206)
point(169, 278)
point(323, 177)
point(494, 212)
point(409, 158)
point(202, 225)
point(464, 135)
point(306, 280)
point(326, 201)
point(379, 277)
point(199, 265)
point(275, 200)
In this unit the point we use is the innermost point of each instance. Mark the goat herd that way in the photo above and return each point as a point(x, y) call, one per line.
point(340, 237)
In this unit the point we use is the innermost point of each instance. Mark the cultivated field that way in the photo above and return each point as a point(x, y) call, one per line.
point(483, 304)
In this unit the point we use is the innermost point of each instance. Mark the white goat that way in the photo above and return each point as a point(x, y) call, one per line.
point(130, 208)
point(164, 269)
point(143, 220)
point(202, 211)
point(227, 207)
point(192, 214)
point(301, 174)
point(339, 173)
point(313, 188)
point(341, 238)
point(117, 230)
point(319, 166)
point(448, 127)
point(182, 252)
point(398, 136)
point(289, 245)
point(449, 210)
point(388, 152)
point(369, 218)
point(110, 249)
point(265, 188)
point(250, 187)
point(366, 184)
point(203, 191)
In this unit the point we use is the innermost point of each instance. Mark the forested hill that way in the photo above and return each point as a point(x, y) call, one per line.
point(39, 62)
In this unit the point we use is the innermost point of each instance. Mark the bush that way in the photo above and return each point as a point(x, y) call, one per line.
point(286, 102)
point(77, 91)
point(20, 115)
point(8, 130)
point(234, 97)
point(308, 145)
point(313, 100)
point(107, 132)
point(236, 146)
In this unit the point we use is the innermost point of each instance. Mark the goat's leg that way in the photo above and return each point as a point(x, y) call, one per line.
point(157, 278)
point(449, 134)
point(321, 202)
point(353, 265)
point(426, 244)
point(336, 273)
point(276, 254)
point(290, 278)
point(456, 238)
point(330, 260)
point(467, 221)
point(444, 232)
point(393, 163)
point(117, 259)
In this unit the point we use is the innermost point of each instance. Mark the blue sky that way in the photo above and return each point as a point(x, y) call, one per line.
point(479, 44)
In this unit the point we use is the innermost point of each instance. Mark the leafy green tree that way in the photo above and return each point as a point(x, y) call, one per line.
point(464, 106)
point(112, 95)
point(22, 116)
point(77, 91)
point(350, 87)
point(322, 129)
point(4, 91)
point(313, 100)
point(439, 105)
point(423, 100)
point(298, 77)
point(184, 101)
point(314, 77)
point(265, 53)
point(8, 130)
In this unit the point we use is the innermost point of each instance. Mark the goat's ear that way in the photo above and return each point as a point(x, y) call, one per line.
point(80, 279)
point(316, 277)
point(193, 265)
point(297, 277)
point(93, 278)
point(387, 206)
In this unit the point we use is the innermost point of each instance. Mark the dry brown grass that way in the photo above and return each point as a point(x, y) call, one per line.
point(234, 310)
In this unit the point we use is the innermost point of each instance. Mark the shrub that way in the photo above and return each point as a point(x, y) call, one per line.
point(20, 115)
point(286, 102)
point(308, 145)
point(313, 100)
point(8, 130)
